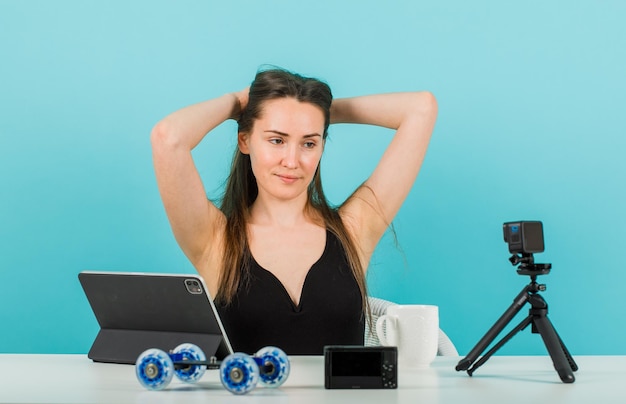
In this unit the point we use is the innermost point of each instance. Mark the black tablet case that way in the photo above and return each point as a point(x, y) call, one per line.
point(139, 311)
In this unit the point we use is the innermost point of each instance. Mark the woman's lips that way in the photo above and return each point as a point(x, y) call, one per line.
point(288, 179)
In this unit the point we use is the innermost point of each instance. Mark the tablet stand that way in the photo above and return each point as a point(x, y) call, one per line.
point(563, 362)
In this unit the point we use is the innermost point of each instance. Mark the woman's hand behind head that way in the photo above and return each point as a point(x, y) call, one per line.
point(242, 99)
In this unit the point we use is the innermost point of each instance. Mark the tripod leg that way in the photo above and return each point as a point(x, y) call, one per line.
point(499, 345)
point(493, 332)
point(569, 357)
point(555, 347)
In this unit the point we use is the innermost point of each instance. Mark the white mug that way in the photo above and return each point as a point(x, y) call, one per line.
point(414, 329)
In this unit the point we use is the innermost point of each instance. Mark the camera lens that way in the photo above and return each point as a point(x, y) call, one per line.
point(193, 286)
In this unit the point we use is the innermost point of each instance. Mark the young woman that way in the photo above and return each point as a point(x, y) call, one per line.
point(285, 268)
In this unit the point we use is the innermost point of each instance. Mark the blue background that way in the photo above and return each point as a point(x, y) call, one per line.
point(531, 126)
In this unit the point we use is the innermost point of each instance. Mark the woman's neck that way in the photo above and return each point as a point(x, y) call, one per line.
point(278, 213)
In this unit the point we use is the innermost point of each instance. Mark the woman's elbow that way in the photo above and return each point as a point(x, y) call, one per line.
point(423, 109)
point(427, 104)
point(162, 136)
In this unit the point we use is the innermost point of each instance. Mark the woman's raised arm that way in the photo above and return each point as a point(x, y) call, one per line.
point(193, 218)
point(370, 210)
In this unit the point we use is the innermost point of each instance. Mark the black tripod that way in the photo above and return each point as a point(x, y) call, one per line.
point(561, 358)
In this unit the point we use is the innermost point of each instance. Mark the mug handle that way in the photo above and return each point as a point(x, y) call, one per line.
point(380, 333)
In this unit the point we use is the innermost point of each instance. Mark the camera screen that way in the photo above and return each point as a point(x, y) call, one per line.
point(533, 233)
point(356, 363)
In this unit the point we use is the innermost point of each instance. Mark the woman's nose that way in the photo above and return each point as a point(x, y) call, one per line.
point(290, 158)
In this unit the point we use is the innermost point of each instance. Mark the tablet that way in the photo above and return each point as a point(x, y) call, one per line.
point(139, 311)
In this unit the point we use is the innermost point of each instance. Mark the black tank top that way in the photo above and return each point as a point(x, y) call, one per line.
point(330, 310)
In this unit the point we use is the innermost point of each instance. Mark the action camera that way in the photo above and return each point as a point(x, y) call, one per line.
point(524, 237)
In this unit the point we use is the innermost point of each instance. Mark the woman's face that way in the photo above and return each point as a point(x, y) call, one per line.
point(285, 147)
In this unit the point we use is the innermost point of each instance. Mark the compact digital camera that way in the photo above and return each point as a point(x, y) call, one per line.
point(359, 367)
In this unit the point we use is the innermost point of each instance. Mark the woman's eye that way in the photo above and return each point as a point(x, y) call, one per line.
point(276, 141)
point(309, 145)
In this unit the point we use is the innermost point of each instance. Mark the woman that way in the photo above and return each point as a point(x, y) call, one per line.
point(285, 268)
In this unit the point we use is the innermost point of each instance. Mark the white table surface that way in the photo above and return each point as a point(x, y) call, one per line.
point(503, 379)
